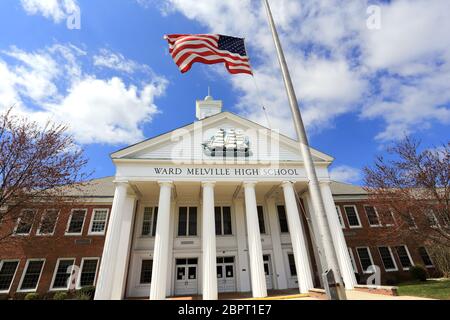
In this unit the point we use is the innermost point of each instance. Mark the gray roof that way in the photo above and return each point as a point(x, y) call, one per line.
point(104, 187)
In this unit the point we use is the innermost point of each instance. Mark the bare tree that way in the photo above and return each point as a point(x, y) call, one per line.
point(39, 165)
point(412, 189)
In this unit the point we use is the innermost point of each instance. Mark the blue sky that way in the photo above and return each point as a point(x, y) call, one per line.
point(361, 87)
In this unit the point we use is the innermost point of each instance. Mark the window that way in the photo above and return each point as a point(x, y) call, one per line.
point(372, 216)
point(7, 272)
point(352, 216)
point(425, 257)
point(292, 268)
point(404, 257)
point(62, 274)
point(98, 221)
point(282, 219)
point(262, 226)
point(48, 222)
point(146, 272)
point(352, 259)
point(387, 258)
point(431, 218)
point(409, 219)
point(31, 276)
point(88, 272)
point(187, 221)
point(25, 222)
point(76, 222)
point(223, 221)
point(365, 258)
point(388, 218)
point(149, 221)
point(341, 221)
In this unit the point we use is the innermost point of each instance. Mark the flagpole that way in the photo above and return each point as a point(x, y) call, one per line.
point(324, 232)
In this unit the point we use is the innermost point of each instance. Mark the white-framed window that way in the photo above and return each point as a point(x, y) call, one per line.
point(391, 220)
point(261, 220)
point(31, 275)
point(404, 257)
point(187, 221)
point(432, 219)
point(341, 220)
point(388, 258)
point(145, 276)
point(25, 222)
point(48, 222)
point(223, 221)
point(76, 222)
point(352, 259)
point(284, 228)
point(88, 272)
point(423, 252)
point(149, 220)
point(365, 258)
point(98, 221)
point(8, 269)
point(292, 267)
point(62, 274)
point(410, 221)
point(352, 216)
point(372, 216)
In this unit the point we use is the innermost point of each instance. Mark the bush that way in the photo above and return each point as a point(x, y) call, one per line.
point(419, 272)
point(60, 296)
point(392, 280)
point(4, 297)
point(32, 296)
point(88, 291)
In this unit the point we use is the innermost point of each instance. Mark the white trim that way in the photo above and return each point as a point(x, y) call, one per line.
point(101, 233)
point(15, 273)
point(56, 270)
point(359, 258)
point(341, 218)
point(392, 258)
point(266, 229)
point(357, 217)
point(188, 215)
point(376, 214)
point(409, 256)
point(69, 221)
point(18, 222)
point(38, 231)
point(78, 285)
point(24, 273)
point(222, 233)
point(352, 260)
point(428, 254)
point(393, 220)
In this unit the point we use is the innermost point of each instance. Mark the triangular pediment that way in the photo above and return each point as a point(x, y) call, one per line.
point(201, 140)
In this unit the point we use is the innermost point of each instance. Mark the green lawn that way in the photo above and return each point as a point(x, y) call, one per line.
point(429, 289)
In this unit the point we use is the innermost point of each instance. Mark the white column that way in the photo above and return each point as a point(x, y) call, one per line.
point(276, 243)
point(160, 257)
point(258, 277)
point(108, 263)
point(299, 244)
point(337, 234)
point(209, 243)
point(123, 251)
point(242, 262)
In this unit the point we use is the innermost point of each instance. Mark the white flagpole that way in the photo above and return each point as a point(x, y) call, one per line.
point(324, 232)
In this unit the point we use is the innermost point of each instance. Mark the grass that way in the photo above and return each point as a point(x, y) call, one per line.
point(430, 289)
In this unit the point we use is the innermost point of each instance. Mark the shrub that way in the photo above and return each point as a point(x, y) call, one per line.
point(4, 297)
point(60, 296)
point(419, 272)
point(391, 280)
point(88, 291)
point(82, 296)
point(32, 296)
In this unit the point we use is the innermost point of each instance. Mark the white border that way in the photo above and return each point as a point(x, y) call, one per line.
point(78, 285)
point(18, 222)
point(55, 271)
point(25, 272)
point(409, 256)
point(15, 273)
point(69, 221)
point(102, 233)
point(359, 258)
point(376, 214)
point(38, 231)
point(341, 221)
point(392, 258)
point(357, 216)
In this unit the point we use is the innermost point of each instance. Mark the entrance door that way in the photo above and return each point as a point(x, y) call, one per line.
point(268, 271)
point(226, 279)
point(186, 276)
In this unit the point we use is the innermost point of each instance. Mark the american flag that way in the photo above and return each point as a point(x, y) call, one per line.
point(187, 49)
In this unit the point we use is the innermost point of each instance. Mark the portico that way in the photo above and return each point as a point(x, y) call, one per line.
point(189, 222)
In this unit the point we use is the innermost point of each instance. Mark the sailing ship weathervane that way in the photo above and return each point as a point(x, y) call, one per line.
point(227, 143)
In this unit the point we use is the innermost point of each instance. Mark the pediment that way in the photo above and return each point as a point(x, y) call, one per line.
point(224, 135)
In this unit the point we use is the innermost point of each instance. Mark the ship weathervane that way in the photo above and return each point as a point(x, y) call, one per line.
point(227, 143)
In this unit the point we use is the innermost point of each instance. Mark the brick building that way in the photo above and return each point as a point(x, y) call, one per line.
point(167, 225)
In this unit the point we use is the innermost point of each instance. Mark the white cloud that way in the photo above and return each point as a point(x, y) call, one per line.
point(50, 84)
point(116, 61)
point(57, 10)
point(345, 174)
point(398, 74)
